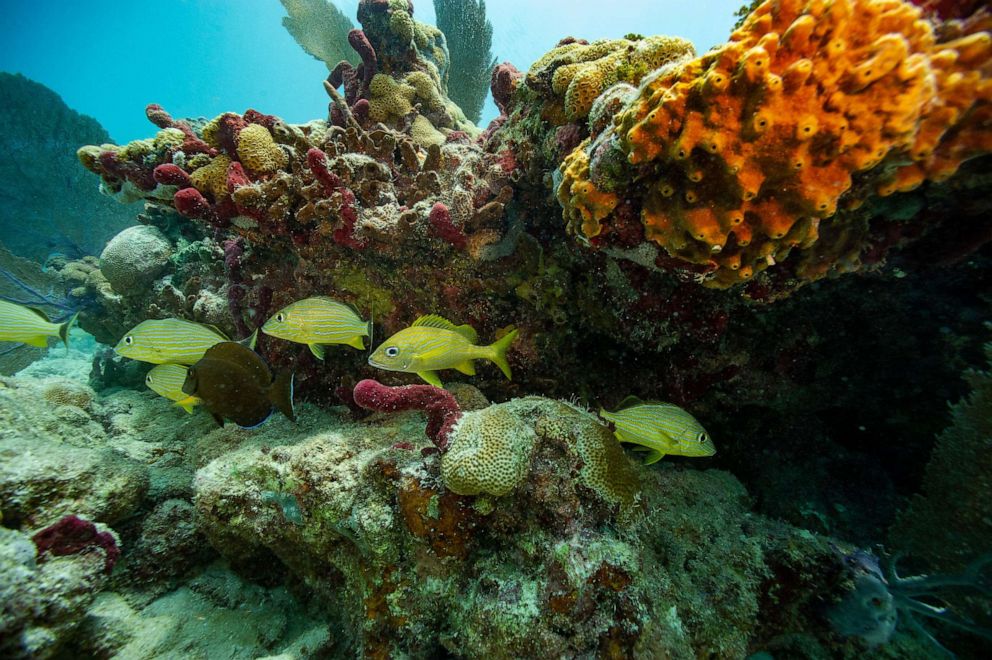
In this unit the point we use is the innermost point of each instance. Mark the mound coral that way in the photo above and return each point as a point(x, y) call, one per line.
point(134, 258)
point(577, 72)
point(763, 149)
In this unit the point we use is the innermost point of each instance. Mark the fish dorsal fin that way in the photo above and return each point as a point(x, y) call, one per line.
point(435, 321)
point(40, 313)
point(334, 301)
point(629, 402)
point(342, 303)
point(214, 328)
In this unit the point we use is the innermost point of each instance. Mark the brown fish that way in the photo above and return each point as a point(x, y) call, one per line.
point(234, 383)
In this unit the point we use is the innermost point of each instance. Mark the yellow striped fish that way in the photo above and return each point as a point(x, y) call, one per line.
point(31, 326)
point(660, 428)
point(167, 380)
point(318, 322)
point(171, 341)
point(433, 343)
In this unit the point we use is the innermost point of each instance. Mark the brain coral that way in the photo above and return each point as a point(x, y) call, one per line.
point(579, 72)
point(135, 257)
point(605, 468)
point(745, 154)
point(490, 452)
point(258, 151)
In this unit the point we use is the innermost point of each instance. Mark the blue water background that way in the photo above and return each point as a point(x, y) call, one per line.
point(110, 58)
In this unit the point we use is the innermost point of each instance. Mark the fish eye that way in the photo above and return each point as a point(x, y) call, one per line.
point(129, 340)
point(281, 317)
point(148, 379)
point(392, 351)
point(703, 437)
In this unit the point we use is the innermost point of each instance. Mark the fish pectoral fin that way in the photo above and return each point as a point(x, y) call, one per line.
point(356, 342)
point(430, 377)
point(653, 457)
point(317, 350)
point(40, 341)
point(466, 367)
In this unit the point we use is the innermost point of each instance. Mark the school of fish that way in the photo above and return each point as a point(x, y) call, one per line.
point(198, 365)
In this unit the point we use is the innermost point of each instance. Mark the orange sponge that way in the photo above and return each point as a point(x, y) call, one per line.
point(741, 157)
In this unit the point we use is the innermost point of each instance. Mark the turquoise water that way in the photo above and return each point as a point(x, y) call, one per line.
point(495, 330)
point(204, 57)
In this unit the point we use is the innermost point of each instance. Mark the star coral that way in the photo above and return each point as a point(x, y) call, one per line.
point(577, 72)
point(762, 149)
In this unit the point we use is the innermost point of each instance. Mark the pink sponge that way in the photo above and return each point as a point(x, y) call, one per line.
point(440, 406)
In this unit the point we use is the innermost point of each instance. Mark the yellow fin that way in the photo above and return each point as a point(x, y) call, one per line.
point(430, 377)
point(317, 350)
point(466, 368)
point(356, 342)
point(653, 457)
point(41, 341)
point(435, 321)
point(499, 348)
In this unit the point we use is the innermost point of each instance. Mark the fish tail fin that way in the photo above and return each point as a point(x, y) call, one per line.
point(65, 328)
point(499, 349)
point(281, 394)
point(188, 403)
point(371, 327)
point(250, 340)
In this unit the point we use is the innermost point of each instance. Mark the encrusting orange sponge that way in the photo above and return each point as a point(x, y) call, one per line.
point(738, 156)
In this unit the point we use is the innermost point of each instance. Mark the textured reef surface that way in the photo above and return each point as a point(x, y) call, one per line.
point(787, 235)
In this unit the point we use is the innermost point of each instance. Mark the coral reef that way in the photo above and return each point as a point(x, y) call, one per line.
point(523, 523)
point(42, 602)
point(761, 153)
point(548, 567)
point(469, 37)
point(50, 204)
